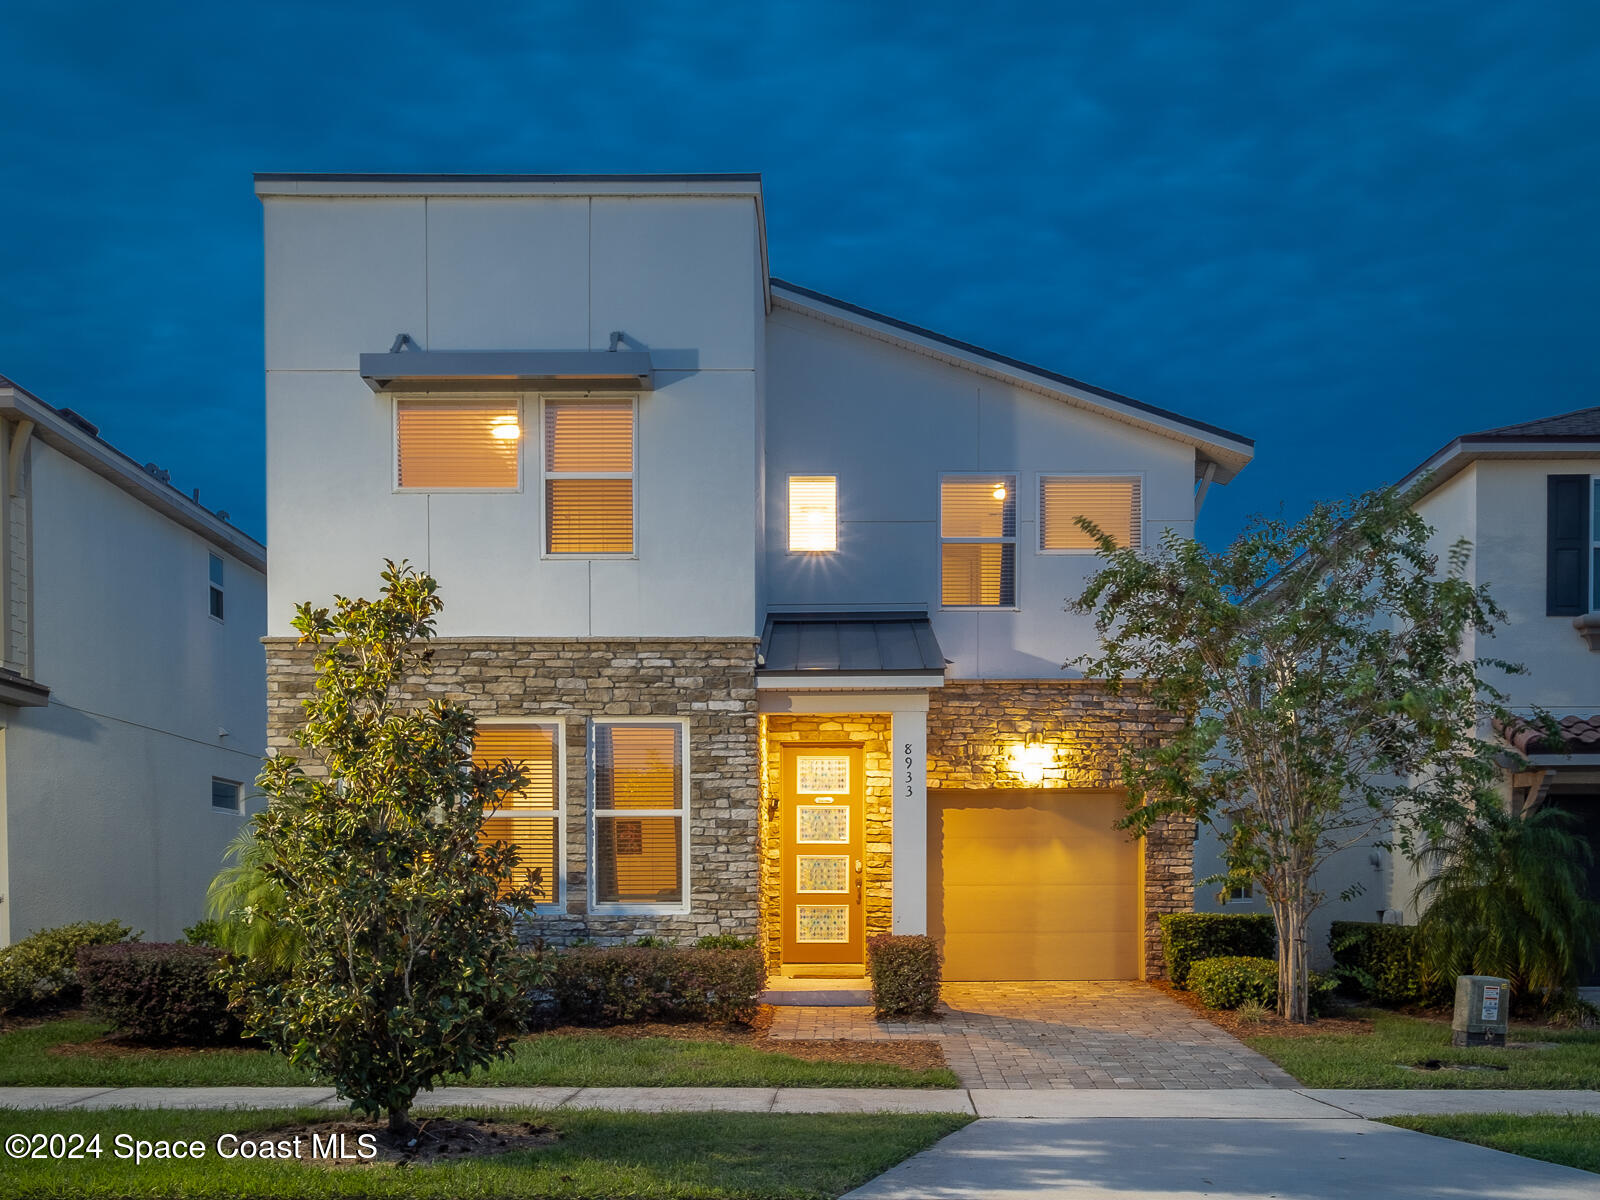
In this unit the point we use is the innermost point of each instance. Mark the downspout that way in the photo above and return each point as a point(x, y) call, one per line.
point(1200, 489)
point(19, 446)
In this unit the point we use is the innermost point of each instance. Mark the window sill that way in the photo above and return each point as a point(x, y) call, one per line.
point(638, 910)
point(1588, 627)
point(980, 608)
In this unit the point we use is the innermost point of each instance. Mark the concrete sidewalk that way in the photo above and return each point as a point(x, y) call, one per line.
point(1042, 1104)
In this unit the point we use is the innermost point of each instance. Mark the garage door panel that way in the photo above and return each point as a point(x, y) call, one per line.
point(1034, 885)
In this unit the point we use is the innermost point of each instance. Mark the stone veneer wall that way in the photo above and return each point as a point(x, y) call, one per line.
point(872, 731)
point(711, 681)
point(974, 723)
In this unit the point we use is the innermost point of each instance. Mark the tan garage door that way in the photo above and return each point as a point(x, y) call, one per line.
point(1033, 885)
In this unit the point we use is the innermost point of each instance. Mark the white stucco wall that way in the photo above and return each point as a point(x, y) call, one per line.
point(108, 789)
point(678, 275)
point(888, 422)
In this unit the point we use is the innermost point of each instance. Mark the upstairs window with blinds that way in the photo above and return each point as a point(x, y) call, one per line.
point(1111, 501)
point(588, 476)
point(813, 513)
point(978, 546)
point(444, 445)
point(529, 818)
point(640, 805)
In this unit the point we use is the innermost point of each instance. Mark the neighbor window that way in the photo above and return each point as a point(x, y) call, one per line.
point(444, 445)
point(227, 795)
point(813, 513)
point(1594, 544)
point(528, 818)
point(978, 552)
point(588, 476)
point(214, 598)
point(1111, 501)
point(639, 802)
point(1242, 892)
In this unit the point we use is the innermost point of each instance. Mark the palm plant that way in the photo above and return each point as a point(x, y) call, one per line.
point(1506, 898)
point(248, 904)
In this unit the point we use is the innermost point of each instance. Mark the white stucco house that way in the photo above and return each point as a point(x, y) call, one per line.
point(1527, 498)
point(132, 694)
point(765, 588)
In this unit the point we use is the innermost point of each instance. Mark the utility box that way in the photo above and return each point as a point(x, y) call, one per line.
point(1482, 1005)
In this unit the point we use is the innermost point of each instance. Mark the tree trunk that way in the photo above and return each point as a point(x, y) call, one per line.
point(400, 1123)
point(1293, 971)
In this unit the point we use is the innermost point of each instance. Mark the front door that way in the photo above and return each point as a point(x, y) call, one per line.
point(823, 920)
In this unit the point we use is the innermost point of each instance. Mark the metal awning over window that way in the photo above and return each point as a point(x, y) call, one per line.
point(808, 645)
point(403, 370)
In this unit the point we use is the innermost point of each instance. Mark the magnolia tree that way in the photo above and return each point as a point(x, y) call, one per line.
point(1321, 674)
point(370, 846)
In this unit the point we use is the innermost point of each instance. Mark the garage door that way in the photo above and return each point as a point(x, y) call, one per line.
point(1033, 885)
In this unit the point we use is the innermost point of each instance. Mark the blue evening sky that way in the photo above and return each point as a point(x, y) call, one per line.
point(1350, 230)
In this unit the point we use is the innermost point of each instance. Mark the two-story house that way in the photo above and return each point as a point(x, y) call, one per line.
point(1526, 497)
point(133, 691)
point(765, 588)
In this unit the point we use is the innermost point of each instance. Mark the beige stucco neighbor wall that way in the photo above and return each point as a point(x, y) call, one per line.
point(973, 726)
point(872, 732)
point(710, 681)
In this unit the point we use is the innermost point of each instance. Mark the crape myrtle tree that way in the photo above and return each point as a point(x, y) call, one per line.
point(1320, 672)
point(403, 971)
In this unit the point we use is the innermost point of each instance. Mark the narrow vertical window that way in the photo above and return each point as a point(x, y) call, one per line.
point(978, 552)
point(530, 817)
point(227, 795)
point(457, 444)
point(813, 513)
point(588, 472)
point(640, 805)
point(214, 600)
point(1594, 544)
point(1111, 501)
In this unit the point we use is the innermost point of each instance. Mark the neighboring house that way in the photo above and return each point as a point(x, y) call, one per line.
point(1527, 498)
point(132, 697)
point(765, 588)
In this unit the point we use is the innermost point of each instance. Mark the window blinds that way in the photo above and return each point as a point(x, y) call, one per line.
point(978, 519)
point(638, 819)
point(529, 819)
point(638, 766)
point(445, 445)
point(973, 507)
point(813, 513)
point(1111, 502)
point(589, 477)
point(979, 573)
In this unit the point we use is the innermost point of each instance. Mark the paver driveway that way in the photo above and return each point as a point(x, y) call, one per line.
point(1059, 1035)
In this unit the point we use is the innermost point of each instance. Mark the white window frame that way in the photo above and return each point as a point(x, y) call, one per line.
point(788, 513)
point(545, 474)
point(1137, 477)
point(938, 529)
point(1248, 898)
point(594, 904)
point(559, 901)
point(219, 588)
point(519, 399)
point(1594, 544)
point(238, 792)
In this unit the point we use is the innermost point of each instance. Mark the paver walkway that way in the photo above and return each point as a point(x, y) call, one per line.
point(1059, 1035)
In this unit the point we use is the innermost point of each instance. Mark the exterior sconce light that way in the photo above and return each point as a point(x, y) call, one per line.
point(1030, 761)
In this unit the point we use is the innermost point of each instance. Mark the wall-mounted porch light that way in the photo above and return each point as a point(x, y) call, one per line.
point(1030, 761)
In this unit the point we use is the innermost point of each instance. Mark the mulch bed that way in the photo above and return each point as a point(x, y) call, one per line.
point(1270, 1025)
point(437, 1139)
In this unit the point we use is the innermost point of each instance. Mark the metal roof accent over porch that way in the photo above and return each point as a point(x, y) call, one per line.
point(850, 643)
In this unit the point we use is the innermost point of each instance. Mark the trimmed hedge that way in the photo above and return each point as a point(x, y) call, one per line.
point(159, 992)
point(905, 972)
point(1187, 938)
point(620, 985)
point(1243, 979)
point(43, 967)
point(1381, 963)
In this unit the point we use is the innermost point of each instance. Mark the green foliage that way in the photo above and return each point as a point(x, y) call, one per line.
point(1507, 898)
point(1187, 938)
point(159, 992)
point(1317, 670)
point(246, 902)
point(1381, 963)
point(43, 967)
point(654, 941)
point(619, 985)
point(725, 941)
point(905, 971)
point(375, 856)
point(1236, 982)
point(204, 933)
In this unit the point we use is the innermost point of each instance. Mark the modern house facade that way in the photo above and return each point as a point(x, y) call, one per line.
point(133, 691)
point(1526, 497)
point(764, 588)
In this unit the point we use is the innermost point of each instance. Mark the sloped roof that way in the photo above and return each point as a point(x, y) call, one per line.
point(1579, 735)
point(1581, 423)
point(1575, 433)
point(851, 643)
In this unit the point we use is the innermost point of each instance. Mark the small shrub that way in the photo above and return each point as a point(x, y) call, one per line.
point(1188, 938)
point(43, 967)
point(1235, 980)
point(1252, 1012)
point(654, 941)
point(161, 992)
point(905, 972)
point(205, 933)
point(620, 985)
point(1380, 963)
point(724, 941)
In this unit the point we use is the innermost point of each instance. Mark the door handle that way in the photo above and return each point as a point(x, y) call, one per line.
point(858, 881)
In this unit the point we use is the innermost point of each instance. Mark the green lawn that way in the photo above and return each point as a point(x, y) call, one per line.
point(559, 1060)
point(1361, 1060)
point(1572, 1139)
point(645, 1155)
